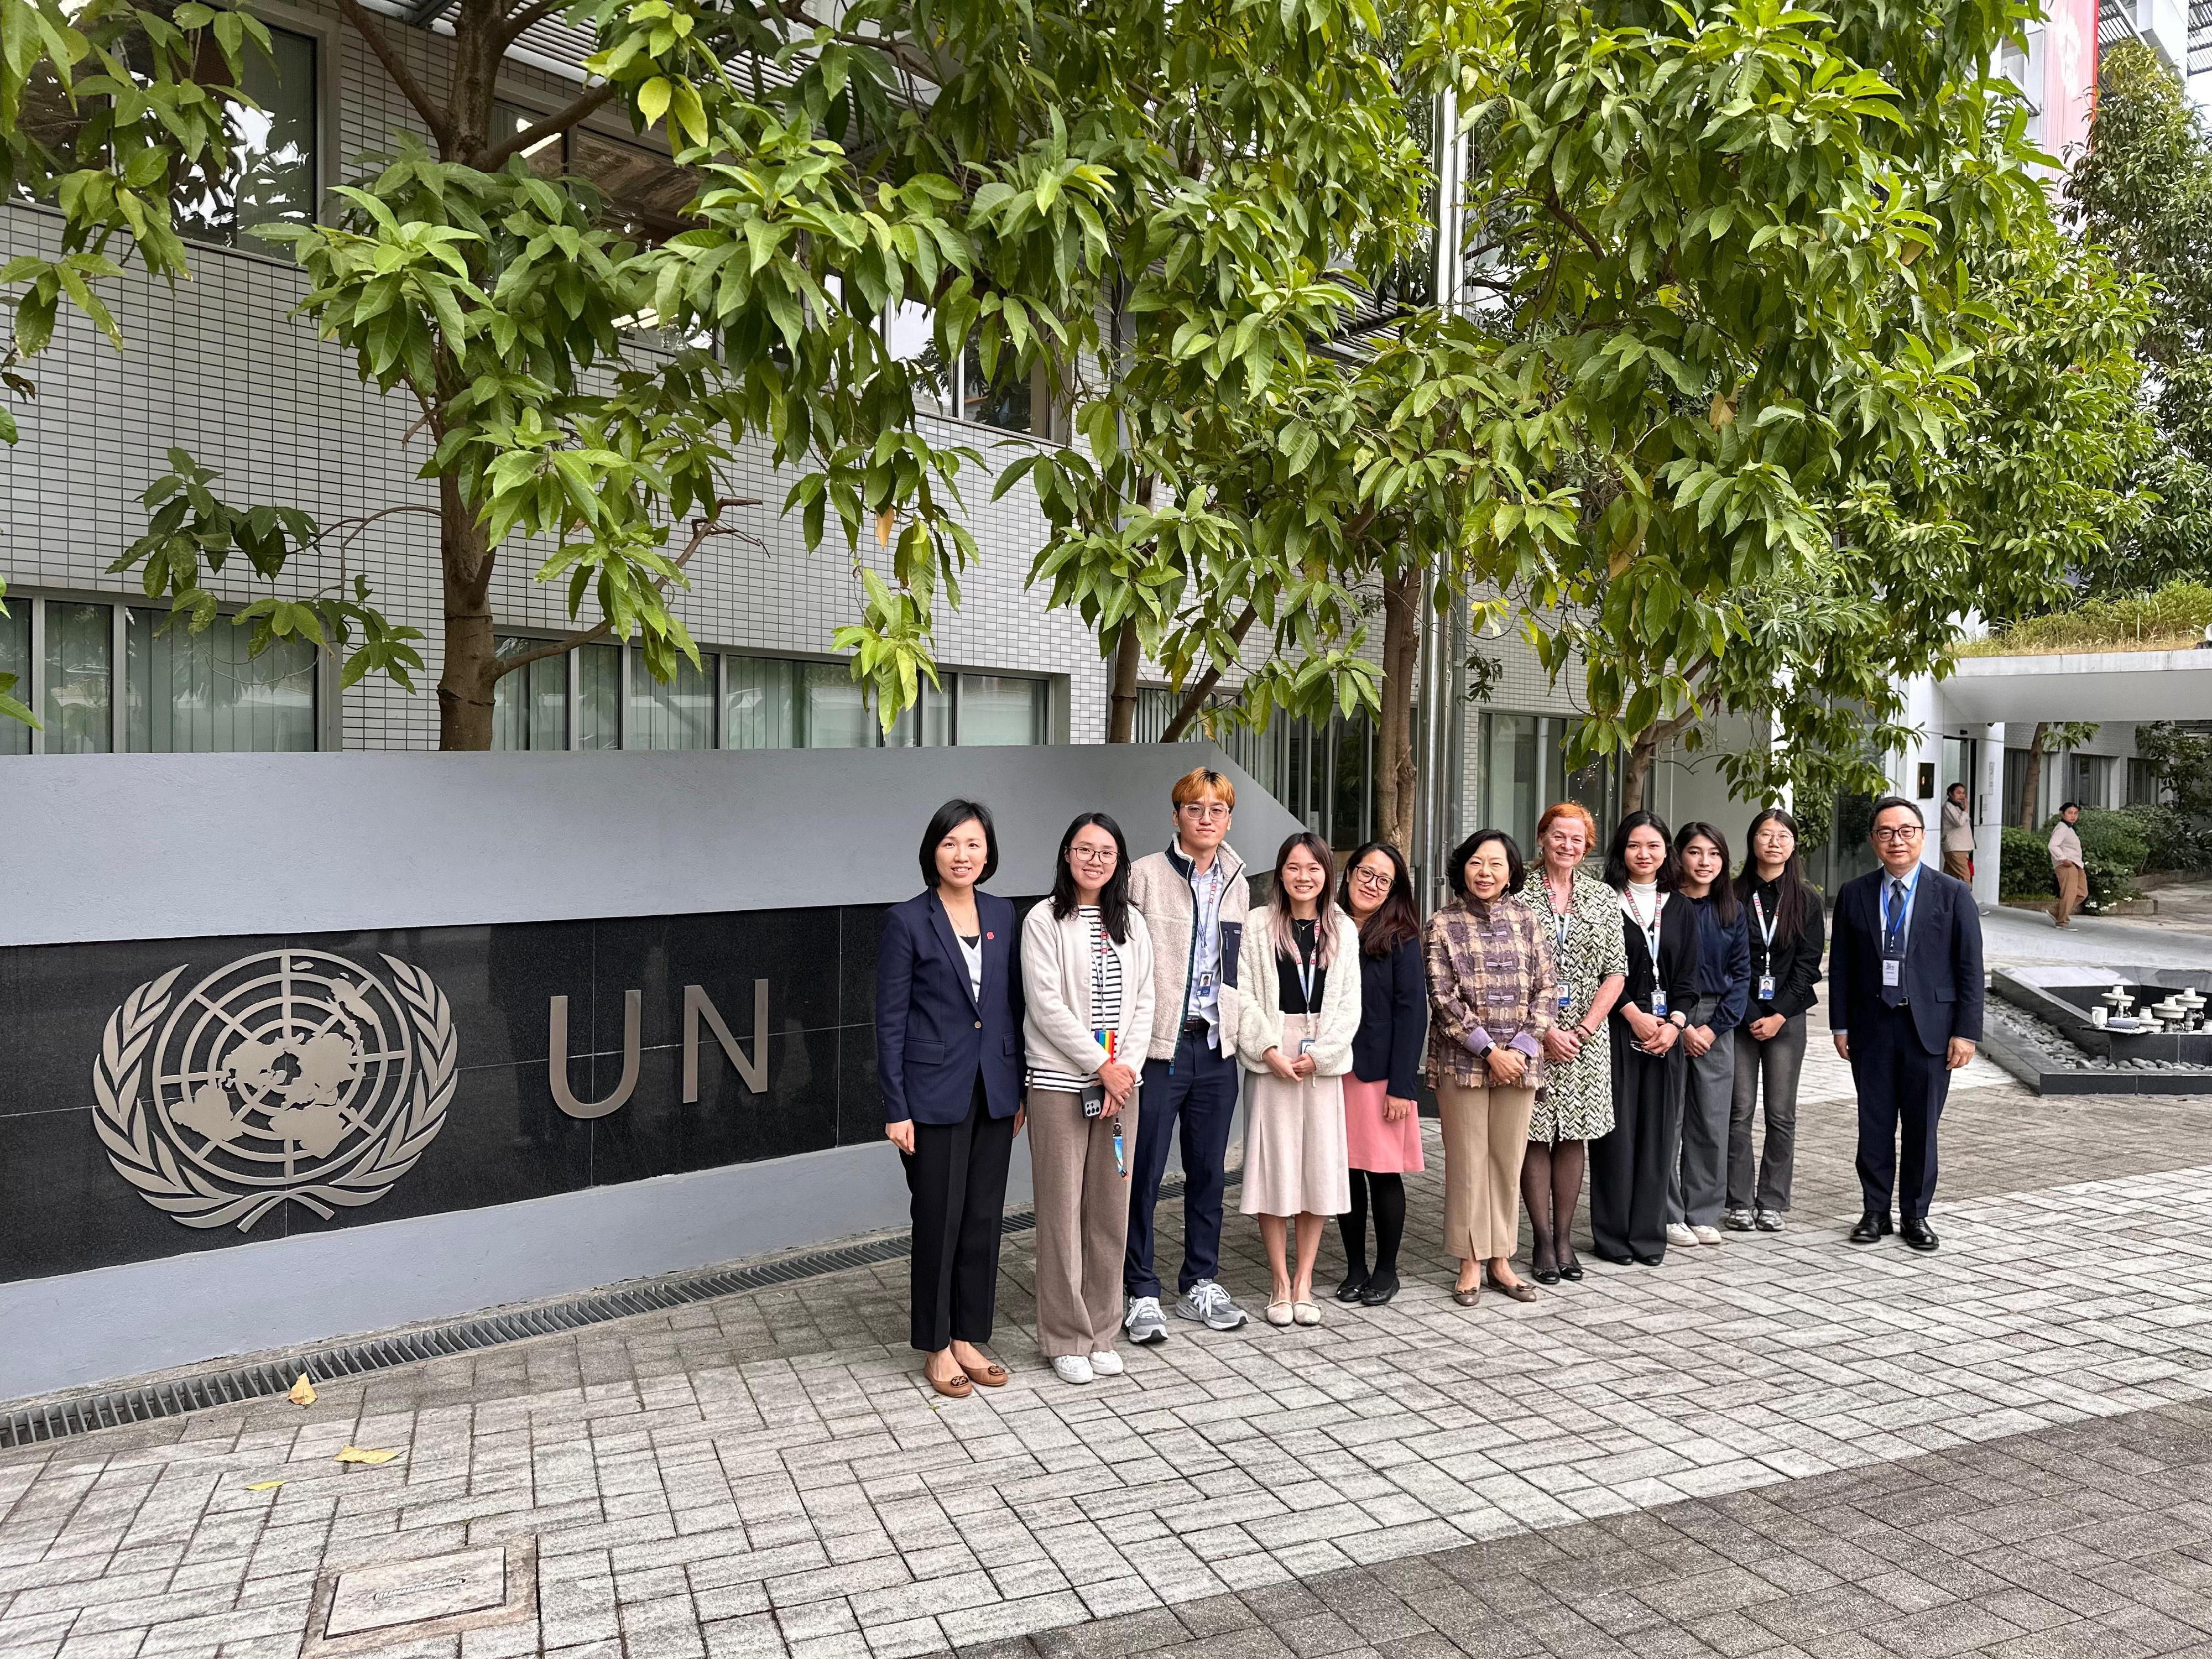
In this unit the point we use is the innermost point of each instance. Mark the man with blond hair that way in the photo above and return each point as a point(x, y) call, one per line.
point(1193, 898)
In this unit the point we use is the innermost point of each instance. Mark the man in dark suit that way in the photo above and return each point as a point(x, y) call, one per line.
point(1904, 976)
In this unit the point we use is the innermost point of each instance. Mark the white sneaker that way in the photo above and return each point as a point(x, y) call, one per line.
point(1677, 1233)
point(1105, 1363)
point(1072, 1368)
point(1707, 1234)
point(1143, 1322)
point(1211, 1306)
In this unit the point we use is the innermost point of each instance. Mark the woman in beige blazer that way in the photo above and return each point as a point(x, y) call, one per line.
point(1087, 977)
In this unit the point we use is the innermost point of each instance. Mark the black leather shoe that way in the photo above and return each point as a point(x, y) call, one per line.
point(1571, 1270)
point(1378, 1290)
point(1872, 1226)
point(1546, 1275)
point(1354, 1283)
point(1617, 1260)
point(1651, 1261)
point(1916, 1231)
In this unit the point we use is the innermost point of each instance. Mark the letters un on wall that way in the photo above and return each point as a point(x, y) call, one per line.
point(227, 1088)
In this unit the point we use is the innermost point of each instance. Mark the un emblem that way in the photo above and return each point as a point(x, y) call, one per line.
point(293, 1076)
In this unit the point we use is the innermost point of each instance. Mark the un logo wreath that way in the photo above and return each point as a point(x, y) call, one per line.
point(291, 1076)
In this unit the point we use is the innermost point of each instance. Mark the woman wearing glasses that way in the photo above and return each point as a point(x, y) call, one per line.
point(1769, 1048)
point(1574, 1107)
point(1087, 971)
point(1381, 1125)
point(1631, 1166)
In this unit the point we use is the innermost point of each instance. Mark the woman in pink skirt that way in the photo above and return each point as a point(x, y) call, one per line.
point(1382, 1127)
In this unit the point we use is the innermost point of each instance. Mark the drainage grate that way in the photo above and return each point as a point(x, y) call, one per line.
point(207, 1389)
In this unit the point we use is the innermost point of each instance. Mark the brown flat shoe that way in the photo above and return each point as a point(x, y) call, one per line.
point(1520, 1290)
point(988, 1375)
point(958, 1387)
point(1470, 1296)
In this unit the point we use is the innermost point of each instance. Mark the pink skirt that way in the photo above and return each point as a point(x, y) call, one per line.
point(1373, 1145)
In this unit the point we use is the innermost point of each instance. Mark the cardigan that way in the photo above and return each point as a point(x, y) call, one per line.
point(1056, 1029)
point(1723, 959)
point(1259, 1020)
point(1394, 1019)
point(1160, 886)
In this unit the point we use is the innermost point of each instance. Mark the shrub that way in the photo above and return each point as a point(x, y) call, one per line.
point(2173, 618)
point(2023, 865)
point(2175, 843)
point(2113, 850)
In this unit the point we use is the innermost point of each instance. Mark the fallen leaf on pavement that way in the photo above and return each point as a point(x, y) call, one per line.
point(303, 1392)
point(363, 1454)
point(263, 1485)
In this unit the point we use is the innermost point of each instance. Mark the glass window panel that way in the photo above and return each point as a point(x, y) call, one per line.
point(1512, 782)
point(201, 694)
point(547, 157)
point(530, 706)
point(757, 703)
point(677, 714)
point(1348, 798)
point(1007, 405)
point(15, 658)
point(599, 696)
point(273, 177)
point(644, 192)
point(80, 679)
point(927, 722)
point(997, 709)
point(909, 331)
point(837, 712)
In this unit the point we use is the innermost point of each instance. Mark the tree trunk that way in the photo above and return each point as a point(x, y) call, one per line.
point(1193, 701)
point(2031, 785)
point(1637, 774)
point(464, 694)
point(1121, 705)
point(1399, 773)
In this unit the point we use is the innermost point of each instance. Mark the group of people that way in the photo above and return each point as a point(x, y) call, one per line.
point(1637, 1027)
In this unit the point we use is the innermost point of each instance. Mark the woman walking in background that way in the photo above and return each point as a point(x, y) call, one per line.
point(1087, 973)
point(1299, 1011)
point(1785, 939)
point(1491, 989)
point(1629, 1166)
point(1381, 1122)
point(1699, 1190)
point(948, 1046)
point(1582, 916)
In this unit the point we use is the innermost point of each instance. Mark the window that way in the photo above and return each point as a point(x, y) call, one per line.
point(1001, 709)
point(2142, 777)
point(15, 658)
point(758, 704)
point(1522, 769)
point(1325, 777)
point(530, 706)
point(187, 693)
point(678, 713)
point(273, 175)
point(2092, 779)
point(1015, 401)
point(80, 664)
point(643, 193)
point(835, 713)
point(2015, 784)
point(599, 696)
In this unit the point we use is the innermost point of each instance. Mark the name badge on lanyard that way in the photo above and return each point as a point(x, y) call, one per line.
point(1559, 925)
point(1650, 932)
point(1766, 955)
point(1893, 939)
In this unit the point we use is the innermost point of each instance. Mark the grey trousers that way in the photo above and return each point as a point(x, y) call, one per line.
point(1771, 1068)
point(1697, 1185)
point(1082, 1222)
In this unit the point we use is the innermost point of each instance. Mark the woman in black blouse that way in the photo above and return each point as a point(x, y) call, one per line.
point(1382, 1121)
point(1786, 936)
point(1629, 1168)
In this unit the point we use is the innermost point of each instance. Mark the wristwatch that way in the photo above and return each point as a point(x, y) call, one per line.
point(1486, 1051)
point(1679, 1020)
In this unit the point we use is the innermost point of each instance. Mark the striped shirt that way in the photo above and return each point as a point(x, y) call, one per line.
point(1105, 1005)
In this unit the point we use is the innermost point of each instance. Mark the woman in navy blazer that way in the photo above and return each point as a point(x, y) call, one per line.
point(949, 1060)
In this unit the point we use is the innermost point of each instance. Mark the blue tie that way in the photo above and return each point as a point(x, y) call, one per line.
point(1892, 943)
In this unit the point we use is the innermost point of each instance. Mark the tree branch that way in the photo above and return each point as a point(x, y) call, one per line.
point(512, 27)
point(1194, 699)
point(1559, 211)
point(701, 531)
point(439, 120)
point(552, 127)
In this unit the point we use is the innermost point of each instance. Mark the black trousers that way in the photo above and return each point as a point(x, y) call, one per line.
point(957, 1175)
point(1629, 1169)
point(1901, 1088)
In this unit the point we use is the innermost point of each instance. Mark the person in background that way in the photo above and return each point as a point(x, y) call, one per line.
point(1575, 1106)
point(948, 1061)
point(1297, 1015)
point(1381, 1122)
point(1194, 899)
point(1785, 939)
point(1632, 1166)
point(1699, 1189)
point(1905, 990)
point(2066, 866)
point(1958, 835)
point(1087, 980)
point(1493, 997)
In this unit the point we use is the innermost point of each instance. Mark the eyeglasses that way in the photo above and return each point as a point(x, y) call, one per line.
point(1091, 854)
point(1205, 809)
point(1899, 833)
point(1380, 880)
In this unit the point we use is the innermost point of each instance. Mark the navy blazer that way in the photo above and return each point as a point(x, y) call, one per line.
point(932, 1036)
point(1943, 957)
point(1394, 1019)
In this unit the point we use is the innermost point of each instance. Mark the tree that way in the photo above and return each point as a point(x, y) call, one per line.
point(2049, 738)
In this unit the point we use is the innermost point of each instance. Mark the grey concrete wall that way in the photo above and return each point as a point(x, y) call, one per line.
point(114, 847)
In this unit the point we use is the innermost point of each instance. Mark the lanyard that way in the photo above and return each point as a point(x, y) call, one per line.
point(1892, 928)
point(1649, 929)
point(1765, 928)
point(1562, 920)
point(1307, 970)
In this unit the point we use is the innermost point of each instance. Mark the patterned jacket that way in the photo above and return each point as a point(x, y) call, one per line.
point(1490, 982)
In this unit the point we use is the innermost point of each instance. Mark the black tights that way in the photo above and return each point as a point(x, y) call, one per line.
point(1389, 1201)
point(1551, 1186)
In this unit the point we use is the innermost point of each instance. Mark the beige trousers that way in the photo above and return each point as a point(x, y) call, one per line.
point(2073, 889)
point(1486, 1135)
point(1082, 1222)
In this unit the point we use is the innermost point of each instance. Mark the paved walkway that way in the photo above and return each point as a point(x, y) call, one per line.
point(1782, 1445)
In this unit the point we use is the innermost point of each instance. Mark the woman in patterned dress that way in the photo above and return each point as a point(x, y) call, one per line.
point(1582, 916)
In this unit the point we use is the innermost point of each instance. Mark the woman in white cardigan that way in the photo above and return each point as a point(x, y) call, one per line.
point(1087, 976)
point(1299, 982)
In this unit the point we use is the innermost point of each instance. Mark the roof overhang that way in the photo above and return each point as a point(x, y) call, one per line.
point(2103, 685)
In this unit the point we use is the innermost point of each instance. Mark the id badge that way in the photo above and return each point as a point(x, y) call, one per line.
point(1567, 997)
point(1305, 1044)
point(1658, 1003)
point(1892, 973)
point(1766, 988)
point(1205, 980)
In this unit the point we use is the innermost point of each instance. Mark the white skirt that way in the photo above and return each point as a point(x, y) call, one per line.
point(1295, 1158)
